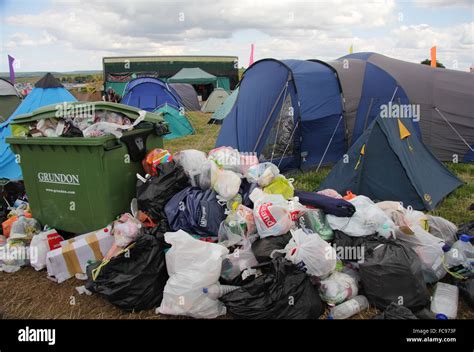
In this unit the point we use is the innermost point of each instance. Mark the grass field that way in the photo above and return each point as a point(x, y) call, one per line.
point(28, 294)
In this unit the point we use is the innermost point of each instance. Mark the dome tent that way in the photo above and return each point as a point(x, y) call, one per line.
point(289, 112)
point(177, 122)
point(9, 99)
point(47, 91)
point(221, 113)
point(149, 94)
point(188, 95)
point(388, 161)
point(215, 100)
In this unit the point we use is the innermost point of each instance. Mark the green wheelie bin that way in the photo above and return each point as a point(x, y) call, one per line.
point(78, 184)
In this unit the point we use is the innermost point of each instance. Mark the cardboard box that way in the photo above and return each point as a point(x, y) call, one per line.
point(76, 253)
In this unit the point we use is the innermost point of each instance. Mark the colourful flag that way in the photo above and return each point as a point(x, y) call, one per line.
point(251, 55)
point(12, 71)
point(433, 56)
point(351, 49)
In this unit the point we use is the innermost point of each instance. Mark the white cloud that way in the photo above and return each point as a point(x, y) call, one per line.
point(294, 29)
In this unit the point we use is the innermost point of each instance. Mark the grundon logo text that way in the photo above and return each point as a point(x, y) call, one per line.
point(61, 179)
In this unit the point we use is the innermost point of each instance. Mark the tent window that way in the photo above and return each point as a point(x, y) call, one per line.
point(279, 142)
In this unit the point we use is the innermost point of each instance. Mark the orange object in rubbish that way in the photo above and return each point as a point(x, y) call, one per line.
point(7, 224)
point(349, 195)
point(145, 219)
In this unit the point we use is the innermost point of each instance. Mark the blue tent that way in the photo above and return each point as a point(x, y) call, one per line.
point(150, 94)
point(289, 112)
point(389, 162)
point(47, 91)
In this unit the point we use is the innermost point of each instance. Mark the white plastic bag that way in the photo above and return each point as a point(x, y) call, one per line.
point(24, 228)
point(338, 288)
point(39, 248)
point(238, 226)
point(442, 229)
point(415, 217)
point(429, 250)
point(272, 215)
point(310, 253)
point(196, 166)
point(226, 183)
point(192, 265)
point(367, 220)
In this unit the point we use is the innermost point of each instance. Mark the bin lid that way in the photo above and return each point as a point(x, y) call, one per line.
point(56, 110)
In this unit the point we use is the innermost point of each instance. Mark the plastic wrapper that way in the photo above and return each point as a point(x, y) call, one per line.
point(154, 158)
point(226, 158)
point(314, 221)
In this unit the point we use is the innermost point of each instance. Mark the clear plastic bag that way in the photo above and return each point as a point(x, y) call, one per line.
point(367, 220)
point(442, 229)
point(238, 225)
point(25, 228)
point(196, 166)
point(237, 261)
point(310, 253)
point(262, 174)
point(125, 230)
point(315, 221)
point(192, 265)
point(338, 288)
point(429, 250)
point(226, 158)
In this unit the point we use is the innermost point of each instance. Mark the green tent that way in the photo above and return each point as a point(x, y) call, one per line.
point(193, 76)
point(178, 124)
point(220, 114)
point(9, 99)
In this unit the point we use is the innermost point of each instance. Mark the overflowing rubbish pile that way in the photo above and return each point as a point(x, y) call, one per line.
point(222, 233)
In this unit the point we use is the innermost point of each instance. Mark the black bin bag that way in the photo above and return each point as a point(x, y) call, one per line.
point(133, 280)
point(262, 248)
point(153, 195)
point(282, 292)
point(391, 272)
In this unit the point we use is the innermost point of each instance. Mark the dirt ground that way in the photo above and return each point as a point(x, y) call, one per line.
point(29, 294)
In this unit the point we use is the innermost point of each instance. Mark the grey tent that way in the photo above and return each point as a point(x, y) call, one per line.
point(193, 76)
point(215, 100)
point(188, 96)
point(389, 162)
point(9, 99)
point(445, 99)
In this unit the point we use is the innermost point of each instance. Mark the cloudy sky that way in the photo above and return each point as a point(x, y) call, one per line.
point(65, 35)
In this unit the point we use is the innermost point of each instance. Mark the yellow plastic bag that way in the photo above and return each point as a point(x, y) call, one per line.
point(281, 185)
point(19, 130)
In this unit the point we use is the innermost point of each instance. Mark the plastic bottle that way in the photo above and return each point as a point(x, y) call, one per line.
point(464, 246)
point(349, 308)
point(215, 291)
point(445, 301)
point(456, 261)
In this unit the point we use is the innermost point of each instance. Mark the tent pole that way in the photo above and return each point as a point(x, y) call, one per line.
point(329, 144)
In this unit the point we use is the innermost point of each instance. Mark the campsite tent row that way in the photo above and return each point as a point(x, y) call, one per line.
point(301, 114)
